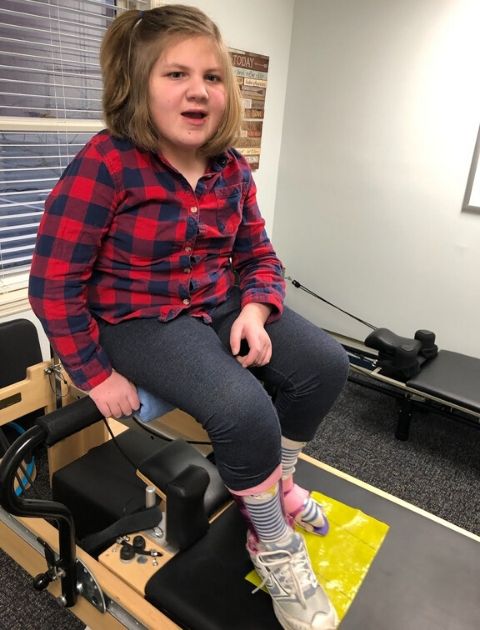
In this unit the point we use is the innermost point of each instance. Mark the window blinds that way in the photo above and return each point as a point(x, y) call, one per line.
point(31, 163)
point(50, 104)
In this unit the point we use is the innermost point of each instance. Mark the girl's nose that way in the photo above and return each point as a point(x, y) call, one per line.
point(197, 89)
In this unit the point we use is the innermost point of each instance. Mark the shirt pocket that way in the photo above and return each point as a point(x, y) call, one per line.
point(229, 208)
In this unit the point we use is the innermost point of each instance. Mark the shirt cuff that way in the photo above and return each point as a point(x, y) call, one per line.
point(91, 374)
point(266, 298)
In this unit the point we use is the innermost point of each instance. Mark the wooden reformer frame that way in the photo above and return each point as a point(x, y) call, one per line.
point(19, 535)
point(120, 594)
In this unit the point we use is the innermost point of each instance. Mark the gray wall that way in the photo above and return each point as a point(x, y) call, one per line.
point(381, 116)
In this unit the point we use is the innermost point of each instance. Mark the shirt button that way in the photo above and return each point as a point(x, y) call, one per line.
point(186, 301)
point(193, 209)
point(186, 270)
point(188, 250)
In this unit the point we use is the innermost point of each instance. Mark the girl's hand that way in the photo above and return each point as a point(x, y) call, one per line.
point(249, 325)
point(115, 396)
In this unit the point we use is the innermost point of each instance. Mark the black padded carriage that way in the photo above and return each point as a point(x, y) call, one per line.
point(424, 575)
point(452, 377)
point(409, 368)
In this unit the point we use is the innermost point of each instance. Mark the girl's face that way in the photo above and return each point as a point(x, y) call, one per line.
point(187, 95)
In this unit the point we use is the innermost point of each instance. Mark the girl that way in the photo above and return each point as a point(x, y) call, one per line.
point(152, 268)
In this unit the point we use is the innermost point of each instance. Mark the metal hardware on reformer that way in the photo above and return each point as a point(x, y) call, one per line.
point(150, 497)
point(53, 572)
point(88, 587)
point(111, 607)
point(158, 532)
point(56, 370)
point(121, 615)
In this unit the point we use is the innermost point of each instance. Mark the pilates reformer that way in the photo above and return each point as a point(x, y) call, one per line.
point(184, 562)
point(414, 371)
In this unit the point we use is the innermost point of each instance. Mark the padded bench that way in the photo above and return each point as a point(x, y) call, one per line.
point(425, 575)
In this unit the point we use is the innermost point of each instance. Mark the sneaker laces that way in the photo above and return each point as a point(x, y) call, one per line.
point(292, 570)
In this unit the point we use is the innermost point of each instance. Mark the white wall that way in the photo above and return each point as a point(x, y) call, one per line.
point(382, 112)
point(264, 28)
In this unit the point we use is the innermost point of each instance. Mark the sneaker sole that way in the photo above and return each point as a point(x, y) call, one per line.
point(331, 621)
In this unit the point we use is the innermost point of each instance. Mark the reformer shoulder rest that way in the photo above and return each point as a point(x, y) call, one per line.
point(402, 357)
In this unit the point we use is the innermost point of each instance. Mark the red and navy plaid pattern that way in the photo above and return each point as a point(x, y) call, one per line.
point(124, 236)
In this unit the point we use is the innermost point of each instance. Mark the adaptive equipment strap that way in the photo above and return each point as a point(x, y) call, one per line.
point(136, 522)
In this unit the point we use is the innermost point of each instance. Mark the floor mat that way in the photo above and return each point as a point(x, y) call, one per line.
point(342, 559)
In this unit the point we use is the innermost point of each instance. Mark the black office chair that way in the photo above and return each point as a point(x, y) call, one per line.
point(19, 350)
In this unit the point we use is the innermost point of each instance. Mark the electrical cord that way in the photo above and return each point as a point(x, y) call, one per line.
point(145, 427)
point(127, 457)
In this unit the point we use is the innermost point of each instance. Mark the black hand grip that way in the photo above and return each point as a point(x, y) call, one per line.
point(68, 420)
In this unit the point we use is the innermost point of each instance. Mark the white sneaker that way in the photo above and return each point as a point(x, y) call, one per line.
point(299, 601)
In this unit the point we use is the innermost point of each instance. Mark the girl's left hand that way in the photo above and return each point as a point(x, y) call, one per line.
point(249, 325)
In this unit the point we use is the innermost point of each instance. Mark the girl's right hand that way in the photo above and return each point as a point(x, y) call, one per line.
point(115, 396)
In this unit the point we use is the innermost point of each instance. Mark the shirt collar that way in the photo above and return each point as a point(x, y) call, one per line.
point(216, 164)
point(220, 161)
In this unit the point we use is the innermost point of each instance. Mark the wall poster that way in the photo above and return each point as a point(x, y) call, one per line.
point(251, 71)
point(471, 201)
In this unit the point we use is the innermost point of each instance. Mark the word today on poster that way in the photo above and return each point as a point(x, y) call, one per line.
point(251, 71)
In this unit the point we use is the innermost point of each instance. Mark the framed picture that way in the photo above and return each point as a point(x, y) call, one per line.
point(251, 71)
point(471, 201)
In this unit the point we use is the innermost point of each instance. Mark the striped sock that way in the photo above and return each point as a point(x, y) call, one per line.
point(298, 502)
point(290, 452)
point(266, 513)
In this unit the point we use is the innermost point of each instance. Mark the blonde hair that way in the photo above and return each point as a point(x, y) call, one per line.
point(131, 46)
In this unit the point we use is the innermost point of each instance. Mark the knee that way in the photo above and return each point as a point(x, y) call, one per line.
point(338, 363)
point(247, 420)
point(325, 362)
point(245, 434)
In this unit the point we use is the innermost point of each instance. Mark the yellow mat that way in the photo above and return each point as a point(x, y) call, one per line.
point(341, 559)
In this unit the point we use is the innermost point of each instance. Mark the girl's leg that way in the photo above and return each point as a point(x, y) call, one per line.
point(298, 503)
point(308, 370)
point(184, 362)
point(284, 565)
point(281, 559)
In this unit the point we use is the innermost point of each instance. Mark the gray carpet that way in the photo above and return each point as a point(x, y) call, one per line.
point(22, 608)
point(438, 469)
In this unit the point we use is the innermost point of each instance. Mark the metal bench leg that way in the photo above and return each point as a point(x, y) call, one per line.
point(405, 414)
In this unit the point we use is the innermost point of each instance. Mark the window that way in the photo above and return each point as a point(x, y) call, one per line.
point(50, 104)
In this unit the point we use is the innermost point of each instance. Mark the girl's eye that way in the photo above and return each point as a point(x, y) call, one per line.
point(175, 75)
point(213, 78)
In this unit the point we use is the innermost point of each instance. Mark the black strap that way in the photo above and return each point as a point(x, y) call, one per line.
point(138, 521)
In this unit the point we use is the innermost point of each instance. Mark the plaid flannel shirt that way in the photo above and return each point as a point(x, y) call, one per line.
point(124, 236)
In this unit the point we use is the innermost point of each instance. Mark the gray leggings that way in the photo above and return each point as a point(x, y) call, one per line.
point(189, 364)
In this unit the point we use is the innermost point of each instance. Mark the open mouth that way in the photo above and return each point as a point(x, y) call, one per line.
point(195, 115)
